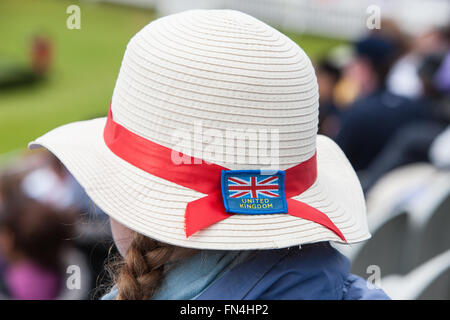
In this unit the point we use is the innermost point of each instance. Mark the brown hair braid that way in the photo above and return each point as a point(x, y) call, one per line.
point(141, 272)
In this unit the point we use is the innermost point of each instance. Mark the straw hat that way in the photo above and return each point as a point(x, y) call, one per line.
point(187, 82)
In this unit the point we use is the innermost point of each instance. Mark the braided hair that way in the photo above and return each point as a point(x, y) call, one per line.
point(141, 273)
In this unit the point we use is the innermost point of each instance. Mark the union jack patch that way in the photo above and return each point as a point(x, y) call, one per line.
point(253, 191)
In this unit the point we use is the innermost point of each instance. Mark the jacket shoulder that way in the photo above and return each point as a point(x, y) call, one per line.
point(316, 271)
point(356, 288)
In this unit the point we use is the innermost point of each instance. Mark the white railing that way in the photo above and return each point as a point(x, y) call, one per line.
point(332, 18)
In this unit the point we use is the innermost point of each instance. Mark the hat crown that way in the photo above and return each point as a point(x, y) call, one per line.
point(208, 82)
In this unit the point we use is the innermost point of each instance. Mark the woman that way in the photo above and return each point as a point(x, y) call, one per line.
point(33, 245)
point(211, 170)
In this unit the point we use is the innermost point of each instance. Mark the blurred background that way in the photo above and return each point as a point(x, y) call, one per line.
point(383, 69)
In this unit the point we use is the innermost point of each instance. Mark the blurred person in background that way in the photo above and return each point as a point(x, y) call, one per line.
point(404, 79)
point(366, 66)
point(40, 62)
point(328, 75)
point(375, 116)
point(26, 190)
point(41, 54)
point(10, 191)
point(33, 240)
point(411, 143)
point(52, 184)
point(9, 197)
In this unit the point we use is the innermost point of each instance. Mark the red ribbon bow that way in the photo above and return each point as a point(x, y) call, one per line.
point(205, 178)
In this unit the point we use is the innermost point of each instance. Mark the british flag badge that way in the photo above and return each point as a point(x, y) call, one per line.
point(253, 191)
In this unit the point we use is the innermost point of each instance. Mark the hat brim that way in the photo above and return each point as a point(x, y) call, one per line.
point(155, 207)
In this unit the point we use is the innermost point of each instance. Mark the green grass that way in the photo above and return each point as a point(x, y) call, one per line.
point(86, 63)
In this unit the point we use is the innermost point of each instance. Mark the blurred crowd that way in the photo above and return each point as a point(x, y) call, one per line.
point(385, 100)
point(53, 239)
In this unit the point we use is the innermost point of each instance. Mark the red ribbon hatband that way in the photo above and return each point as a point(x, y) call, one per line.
point(206, 178)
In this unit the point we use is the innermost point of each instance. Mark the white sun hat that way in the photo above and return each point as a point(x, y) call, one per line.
point(187, 83)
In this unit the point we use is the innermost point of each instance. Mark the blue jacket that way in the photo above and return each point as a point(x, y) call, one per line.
point(314, 272)
point(372, 121)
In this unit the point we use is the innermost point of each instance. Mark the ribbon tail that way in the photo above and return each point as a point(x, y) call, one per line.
point(204, 212)
point(304, 211)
